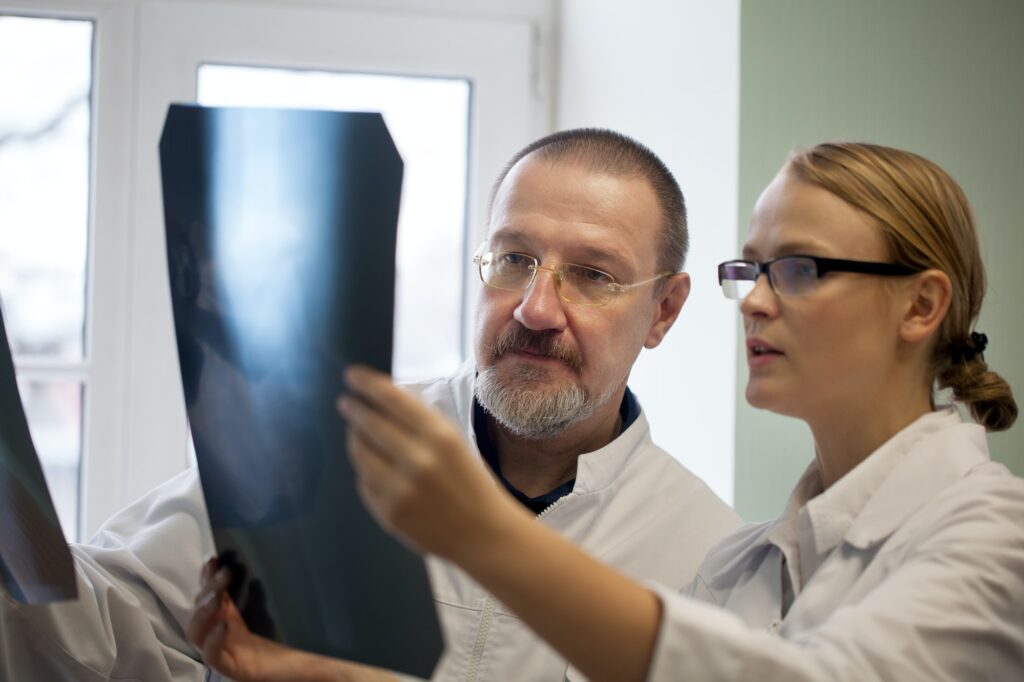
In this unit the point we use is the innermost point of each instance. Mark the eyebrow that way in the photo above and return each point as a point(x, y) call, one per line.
point(507, 234)
point(785, 249)
point(600, 257)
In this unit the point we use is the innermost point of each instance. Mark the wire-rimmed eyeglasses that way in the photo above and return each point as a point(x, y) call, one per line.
point(511, 271)
point(796, 275)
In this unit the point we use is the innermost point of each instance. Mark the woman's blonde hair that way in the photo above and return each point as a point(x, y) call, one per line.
point(927, 222)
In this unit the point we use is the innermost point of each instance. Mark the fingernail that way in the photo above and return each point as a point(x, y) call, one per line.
point(222, 577)
point(205, 599)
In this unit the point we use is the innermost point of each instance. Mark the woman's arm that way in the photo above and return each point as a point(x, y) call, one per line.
point(420, 480)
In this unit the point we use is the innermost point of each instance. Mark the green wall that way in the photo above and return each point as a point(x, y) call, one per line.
point(943, 78)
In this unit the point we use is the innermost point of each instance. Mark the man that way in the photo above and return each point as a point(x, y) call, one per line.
point(581, 265)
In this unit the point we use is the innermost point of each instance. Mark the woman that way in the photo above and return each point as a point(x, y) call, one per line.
point(901, 552)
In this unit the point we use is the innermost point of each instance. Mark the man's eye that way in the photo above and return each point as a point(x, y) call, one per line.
point(592, 276)
point(513, 259)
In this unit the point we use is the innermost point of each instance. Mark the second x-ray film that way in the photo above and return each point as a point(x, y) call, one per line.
point(281, 248)
point(35, 564)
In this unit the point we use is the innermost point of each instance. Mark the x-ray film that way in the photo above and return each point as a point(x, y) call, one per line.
point(35, 564)
point(280, 232)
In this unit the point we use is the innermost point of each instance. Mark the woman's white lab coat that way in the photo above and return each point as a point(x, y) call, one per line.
point(911, 567)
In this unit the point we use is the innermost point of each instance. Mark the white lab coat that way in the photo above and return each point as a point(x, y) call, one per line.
point(633, 506)
point(910, 567)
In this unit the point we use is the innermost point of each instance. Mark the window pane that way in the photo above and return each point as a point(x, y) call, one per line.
point(45, 78)
point(54, 411)
point(428, 119)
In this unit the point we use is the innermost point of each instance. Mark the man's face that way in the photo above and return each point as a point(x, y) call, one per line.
point(545, 363)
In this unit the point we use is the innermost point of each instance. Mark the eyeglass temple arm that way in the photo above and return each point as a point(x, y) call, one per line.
point(825, 265)
point(615, 286)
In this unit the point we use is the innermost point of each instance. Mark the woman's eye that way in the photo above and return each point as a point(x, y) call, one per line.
point(798, 269)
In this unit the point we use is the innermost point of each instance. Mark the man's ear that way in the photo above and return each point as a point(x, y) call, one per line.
point(929, 296)
point(674, 293)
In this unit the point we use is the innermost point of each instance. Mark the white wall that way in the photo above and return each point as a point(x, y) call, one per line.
point(667, 73)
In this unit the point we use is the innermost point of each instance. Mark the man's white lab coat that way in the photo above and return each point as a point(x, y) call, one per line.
point(632, 505)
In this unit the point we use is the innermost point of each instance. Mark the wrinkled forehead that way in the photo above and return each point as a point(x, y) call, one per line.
point(577, 213)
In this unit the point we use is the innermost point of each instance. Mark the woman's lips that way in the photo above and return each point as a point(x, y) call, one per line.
point(760, 352)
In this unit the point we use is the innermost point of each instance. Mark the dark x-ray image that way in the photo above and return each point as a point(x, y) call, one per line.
point(35, 564)
point(280, 232)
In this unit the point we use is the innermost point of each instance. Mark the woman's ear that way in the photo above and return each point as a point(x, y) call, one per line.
point(929, 297)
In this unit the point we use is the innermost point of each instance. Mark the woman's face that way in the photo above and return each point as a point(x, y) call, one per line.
point(830, 348)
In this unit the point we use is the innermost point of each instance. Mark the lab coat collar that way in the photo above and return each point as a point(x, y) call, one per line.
point(868, 504)
point(827, 518)
point(463, 384)
point(940, 450)
point(599, 469)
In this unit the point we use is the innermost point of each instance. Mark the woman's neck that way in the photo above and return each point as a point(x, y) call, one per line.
point(845, 437)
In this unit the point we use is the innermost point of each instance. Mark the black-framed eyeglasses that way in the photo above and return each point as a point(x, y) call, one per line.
point(796, 275)
point(510, 271)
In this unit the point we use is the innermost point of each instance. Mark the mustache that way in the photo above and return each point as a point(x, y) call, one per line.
point(545, 343)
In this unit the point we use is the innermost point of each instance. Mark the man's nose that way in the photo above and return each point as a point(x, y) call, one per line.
point(541, 307)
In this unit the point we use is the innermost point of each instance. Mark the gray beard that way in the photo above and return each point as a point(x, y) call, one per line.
point(529, 407)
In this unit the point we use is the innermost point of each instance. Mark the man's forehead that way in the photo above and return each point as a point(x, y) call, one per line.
point(592, 192)
point(517, 178)
point(551, 195)
point(513, 236)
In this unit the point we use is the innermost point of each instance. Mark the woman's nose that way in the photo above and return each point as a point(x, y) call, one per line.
point(762, 299)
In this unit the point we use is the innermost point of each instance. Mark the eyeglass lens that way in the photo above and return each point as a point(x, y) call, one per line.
point(737, 278)
point(789, 276)
point(793, 276)
point(575, 283)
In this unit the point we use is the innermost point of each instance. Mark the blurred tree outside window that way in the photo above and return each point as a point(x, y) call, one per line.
point(45, 131)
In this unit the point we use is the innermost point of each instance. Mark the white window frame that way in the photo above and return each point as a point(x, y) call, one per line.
point(100, 372)
point(146, 54)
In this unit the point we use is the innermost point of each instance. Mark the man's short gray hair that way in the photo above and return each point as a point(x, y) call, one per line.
point(616, 154)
